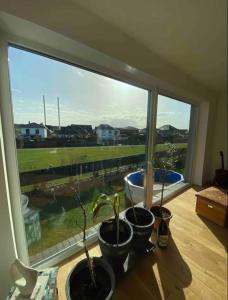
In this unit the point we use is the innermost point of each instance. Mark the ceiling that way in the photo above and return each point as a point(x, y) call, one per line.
point(164, 38)
point(191, 35)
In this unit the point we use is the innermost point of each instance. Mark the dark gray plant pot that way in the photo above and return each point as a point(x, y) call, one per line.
point(113, 253)
point(143, 230)
point(155, 210)
point(105, 279)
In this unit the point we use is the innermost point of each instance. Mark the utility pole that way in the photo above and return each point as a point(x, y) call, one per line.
point(45, 121)
point(58, 112)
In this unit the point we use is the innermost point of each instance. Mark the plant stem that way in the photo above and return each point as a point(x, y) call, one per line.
point(132, 204)
point(162, 191)
point(117, 221)
point(89, 260)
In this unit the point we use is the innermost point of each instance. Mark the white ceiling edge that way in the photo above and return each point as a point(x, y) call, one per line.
point(35, 37)
point(190, 35)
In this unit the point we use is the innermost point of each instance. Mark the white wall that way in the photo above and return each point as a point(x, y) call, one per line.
point(7, 249)
point(42, 131)
point(211, 137)
point(200, 140)
point(219, 135)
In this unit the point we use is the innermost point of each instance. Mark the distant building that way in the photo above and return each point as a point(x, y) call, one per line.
point(107, 135)
point(183, 132)
point(130, 135)
point(167, 131)
point(31, 130)
point(52, 129)
point(82, 131)
point(74, 131)
point(171, 134)
point(129, 130)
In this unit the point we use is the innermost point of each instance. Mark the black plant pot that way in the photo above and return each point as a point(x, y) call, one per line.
point(160, 213)
point(143, 229)
point(78, 284)
point(113, 253)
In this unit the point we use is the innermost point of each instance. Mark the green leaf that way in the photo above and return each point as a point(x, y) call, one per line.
point(100, 197)
point(97, 208)
point(117, 200)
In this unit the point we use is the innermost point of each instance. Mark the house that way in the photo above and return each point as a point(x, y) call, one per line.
point(107, 135)
point(31, 130)
point(73, 131)
point(82, 131)
point(175, 49)
point(169, 133)
point(51, 129)
point(129, 130)
point(129, 135)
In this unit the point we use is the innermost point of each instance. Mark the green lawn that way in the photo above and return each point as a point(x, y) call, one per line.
point(67, 179)
point(43, 158)
point(58, 227)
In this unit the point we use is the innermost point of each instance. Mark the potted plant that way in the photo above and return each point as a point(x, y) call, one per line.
point(92, 278)
point(114, 235)
point(164, 164)
point(142, 221)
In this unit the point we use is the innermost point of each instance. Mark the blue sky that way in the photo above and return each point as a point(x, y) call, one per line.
point(85, 97)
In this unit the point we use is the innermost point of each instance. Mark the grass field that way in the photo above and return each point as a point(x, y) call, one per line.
point(43, 158)
point(57, 227)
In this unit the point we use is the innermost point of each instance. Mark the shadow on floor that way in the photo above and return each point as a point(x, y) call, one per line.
point(140, 283)
point(218, 231)
point(160, 275)
point(174, 272)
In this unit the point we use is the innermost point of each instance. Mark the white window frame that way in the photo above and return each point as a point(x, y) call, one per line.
point(97, 62)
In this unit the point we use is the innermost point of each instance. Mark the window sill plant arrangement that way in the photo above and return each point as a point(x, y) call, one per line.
point(165, 164)
point(114, 235)
point(142, 222)
point(92, 278)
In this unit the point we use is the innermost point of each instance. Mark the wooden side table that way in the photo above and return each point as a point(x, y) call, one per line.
point(212, 203)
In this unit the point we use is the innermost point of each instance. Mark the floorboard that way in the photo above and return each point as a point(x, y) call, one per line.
point(194, 266)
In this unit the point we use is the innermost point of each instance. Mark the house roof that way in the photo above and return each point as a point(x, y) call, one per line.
point(104, 126)
point(129, 128)
point(76, 130)
point(167, 127)
point(29, 125)
point(82, 128)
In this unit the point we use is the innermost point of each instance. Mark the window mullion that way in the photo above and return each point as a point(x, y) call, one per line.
point(151, 136)
point(10, 155)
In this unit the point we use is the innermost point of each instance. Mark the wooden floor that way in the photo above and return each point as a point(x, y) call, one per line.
point(194, 266)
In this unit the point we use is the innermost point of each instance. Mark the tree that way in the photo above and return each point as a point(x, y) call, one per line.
point(166, 163)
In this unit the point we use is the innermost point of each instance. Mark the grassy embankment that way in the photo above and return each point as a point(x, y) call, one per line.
point(43, 158)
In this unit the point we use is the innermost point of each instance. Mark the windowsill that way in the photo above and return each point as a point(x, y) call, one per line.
point(65, 249)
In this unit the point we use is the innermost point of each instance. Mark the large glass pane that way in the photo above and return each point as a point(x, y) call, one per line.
point(172, 142)
point(78, 134)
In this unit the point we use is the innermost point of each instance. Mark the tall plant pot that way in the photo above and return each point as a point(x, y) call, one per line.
point(142, 230)
point(156, 211)
point(78, 284)
point(113, 253)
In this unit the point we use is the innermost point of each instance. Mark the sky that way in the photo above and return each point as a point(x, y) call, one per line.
point(85, 97)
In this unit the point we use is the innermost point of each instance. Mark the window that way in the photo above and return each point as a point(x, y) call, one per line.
point(37, 131)
point(79, 154)
point(27, 131)
point(172, 142)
